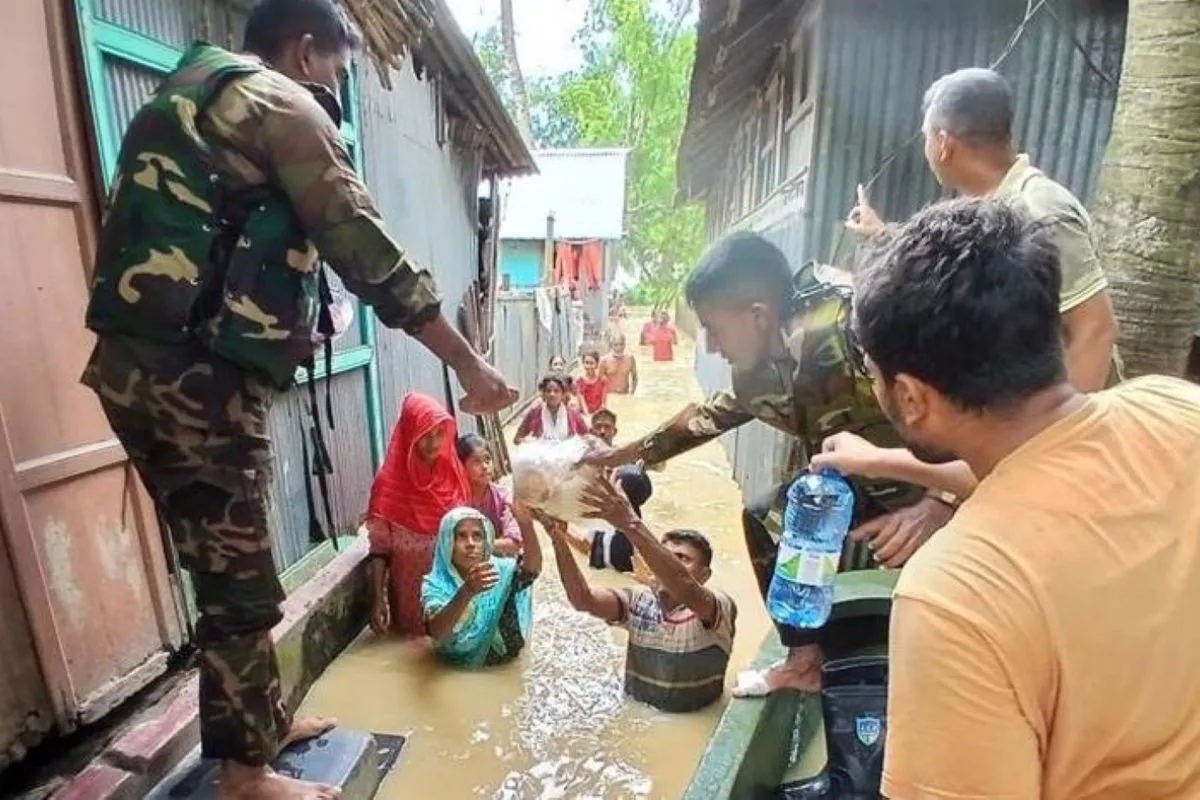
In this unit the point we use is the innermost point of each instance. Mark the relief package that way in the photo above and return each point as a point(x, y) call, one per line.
point(548, 476)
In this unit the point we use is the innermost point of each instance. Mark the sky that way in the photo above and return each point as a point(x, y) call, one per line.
point(544, 43)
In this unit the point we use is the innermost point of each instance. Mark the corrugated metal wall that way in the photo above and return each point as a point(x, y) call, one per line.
point(178, 22)
point(877, 64)
point(128, 85)
point(428, 195)
point(349, 449)
point(523, 345)
point(175, 23)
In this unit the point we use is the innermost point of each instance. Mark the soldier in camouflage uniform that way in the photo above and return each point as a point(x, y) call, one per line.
point(787, 339)
point(207, 295)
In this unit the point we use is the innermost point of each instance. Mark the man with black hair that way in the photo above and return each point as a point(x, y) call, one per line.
point(968, 128)
point(233, 186)
point(785, 337)
point(680, 630)
point(1078, 545)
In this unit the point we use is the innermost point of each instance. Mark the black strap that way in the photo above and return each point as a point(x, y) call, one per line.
point(326, 329)
point(315, 532)
point(447, 389)
point(321, 464)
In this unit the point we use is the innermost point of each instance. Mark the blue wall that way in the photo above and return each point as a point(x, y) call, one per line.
point(521, 260)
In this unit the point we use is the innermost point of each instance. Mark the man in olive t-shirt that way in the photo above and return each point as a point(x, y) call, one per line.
point(968, 144)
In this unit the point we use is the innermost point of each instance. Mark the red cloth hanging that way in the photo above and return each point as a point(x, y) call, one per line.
point(566, 264)
point(591, 260)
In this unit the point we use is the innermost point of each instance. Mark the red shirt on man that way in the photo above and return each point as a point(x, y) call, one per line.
point(661, 337)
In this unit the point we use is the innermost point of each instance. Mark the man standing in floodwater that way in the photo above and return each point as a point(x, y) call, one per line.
point(794, 369)
point(620, 367)
point(207, 296)
point(680, 630)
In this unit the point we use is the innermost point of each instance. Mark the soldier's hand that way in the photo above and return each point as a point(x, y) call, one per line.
point(863, 219)
point(601, 455)
point(486, 390)
point(894, 537)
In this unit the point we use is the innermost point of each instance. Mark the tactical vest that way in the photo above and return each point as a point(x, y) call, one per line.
point(832, 389)
point(184, 257)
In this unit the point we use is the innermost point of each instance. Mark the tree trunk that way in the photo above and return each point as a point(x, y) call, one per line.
point(516, 79)
point(1147, 207)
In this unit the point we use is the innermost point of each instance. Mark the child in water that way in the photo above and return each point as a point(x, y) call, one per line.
point(478, 607)
point(592, 388)
point(489, 497)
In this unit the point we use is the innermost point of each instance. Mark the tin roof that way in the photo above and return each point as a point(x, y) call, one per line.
point(427, 30)
point(584, 189)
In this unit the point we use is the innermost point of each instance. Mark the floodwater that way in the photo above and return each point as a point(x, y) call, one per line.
point(555, 723)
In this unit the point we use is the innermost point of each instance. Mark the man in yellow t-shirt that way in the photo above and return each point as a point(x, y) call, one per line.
point(1044, 644)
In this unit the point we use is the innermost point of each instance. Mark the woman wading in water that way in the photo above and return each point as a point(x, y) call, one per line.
point(478, 606)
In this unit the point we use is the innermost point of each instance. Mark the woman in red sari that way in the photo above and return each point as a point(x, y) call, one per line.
point(421, 479)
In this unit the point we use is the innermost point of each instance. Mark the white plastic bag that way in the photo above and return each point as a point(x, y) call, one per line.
point(547, 476)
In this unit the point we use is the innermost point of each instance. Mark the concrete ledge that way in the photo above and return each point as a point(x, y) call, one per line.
point(757, 739)
point(320, 619)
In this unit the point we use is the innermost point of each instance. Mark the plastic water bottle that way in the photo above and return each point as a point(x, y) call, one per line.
point(816, 520)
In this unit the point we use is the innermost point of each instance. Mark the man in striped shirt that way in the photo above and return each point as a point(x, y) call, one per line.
point(680, 630)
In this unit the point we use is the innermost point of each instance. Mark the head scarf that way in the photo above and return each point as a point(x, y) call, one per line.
point(407, 491)
point(477, 631)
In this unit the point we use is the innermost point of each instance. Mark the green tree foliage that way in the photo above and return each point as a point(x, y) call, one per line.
point(630, 91)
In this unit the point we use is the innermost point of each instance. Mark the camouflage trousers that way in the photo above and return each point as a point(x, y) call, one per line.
point(195, 429)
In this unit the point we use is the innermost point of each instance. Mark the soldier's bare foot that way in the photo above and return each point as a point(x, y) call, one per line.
point(800, 671)
point(785, 676)
point(306, 728)
point(240, 782)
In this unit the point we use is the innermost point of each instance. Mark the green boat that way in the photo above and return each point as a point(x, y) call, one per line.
point(775, 747)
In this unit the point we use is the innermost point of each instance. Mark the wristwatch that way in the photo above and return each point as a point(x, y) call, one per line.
point(942, 496)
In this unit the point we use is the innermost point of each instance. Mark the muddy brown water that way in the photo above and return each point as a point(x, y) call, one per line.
point(555, 724)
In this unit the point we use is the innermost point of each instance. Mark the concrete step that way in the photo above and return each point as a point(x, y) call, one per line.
point(353, 760)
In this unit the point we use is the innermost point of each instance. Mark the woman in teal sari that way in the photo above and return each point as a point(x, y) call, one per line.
point(478, 606)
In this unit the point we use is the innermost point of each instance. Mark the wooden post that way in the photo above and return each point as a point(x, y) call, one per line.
point(548, 251)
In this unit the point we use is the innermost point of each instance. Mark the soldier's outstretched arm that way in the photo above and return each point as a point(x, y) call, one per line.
point(694, 425)
point(307, 158)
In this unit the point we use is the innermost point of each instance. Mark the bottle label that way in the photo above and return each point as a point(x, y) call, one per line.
point(809, 567)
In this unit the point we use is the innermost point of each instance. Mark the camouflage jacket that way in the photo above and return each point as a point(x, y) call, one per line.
point(816, 390)
point(233, 180)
